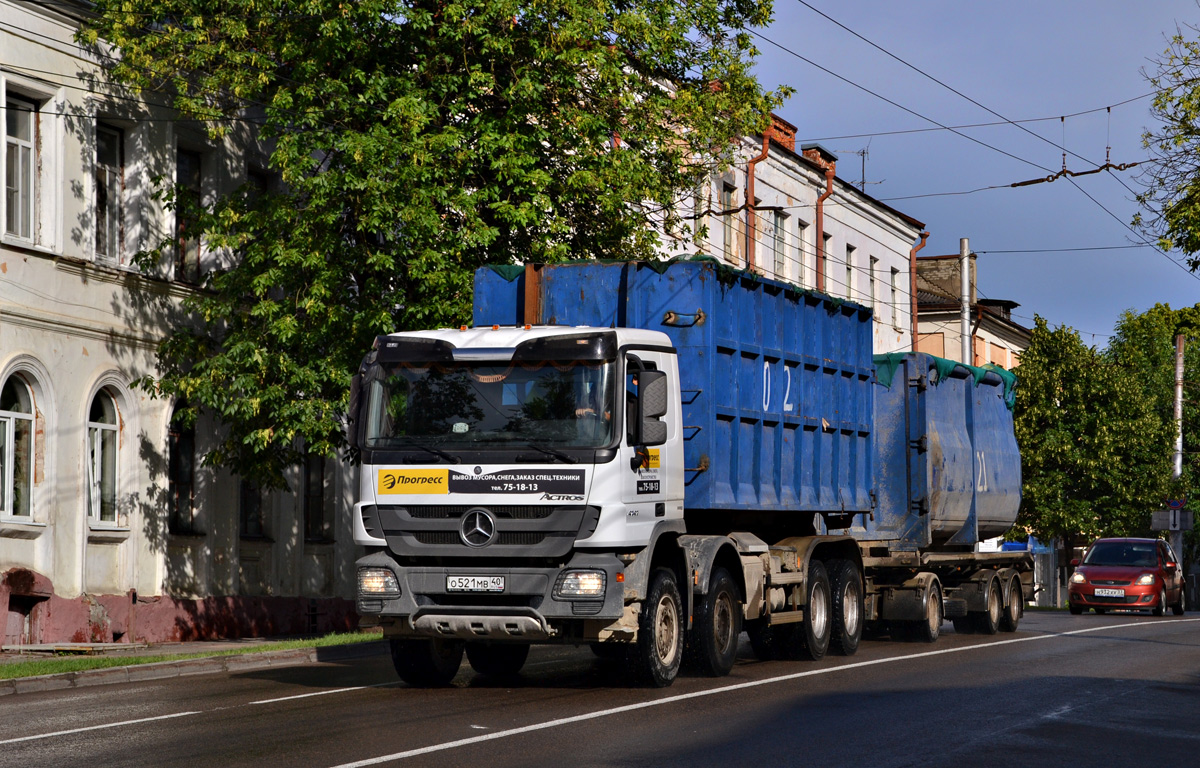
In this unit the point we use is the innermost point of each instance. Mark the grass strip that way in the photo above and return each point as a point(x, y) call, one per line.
point(58, 665)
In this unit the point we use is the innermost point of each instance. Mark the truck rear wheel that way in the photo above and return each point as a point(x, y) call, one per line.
point(845, 584)
point(811, 636)
point(499, 659)
point(427, 663)
point(713, 640)
point(1015, 608)
point(987, 621)
point(654, 659)
point(929, 629)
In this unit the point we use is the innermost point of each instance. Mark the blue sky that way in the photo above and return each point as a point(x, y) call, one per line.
point(1023, 60)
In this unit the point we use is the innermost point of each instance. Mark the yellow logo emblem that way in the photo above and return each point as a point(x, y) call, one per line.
point(391, 482)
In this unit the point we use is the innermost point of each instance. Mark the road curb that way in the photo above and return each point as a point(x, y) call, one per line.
point(159, 670)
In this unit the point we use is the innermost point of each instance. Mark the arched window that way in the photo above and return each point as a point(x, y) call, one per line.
point(102, 458)
point(16, 448)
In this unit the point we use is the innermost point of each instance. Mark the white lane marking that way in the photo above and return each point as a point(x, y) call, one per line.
point(448, 745)
point(319, 693)
point(97, 727)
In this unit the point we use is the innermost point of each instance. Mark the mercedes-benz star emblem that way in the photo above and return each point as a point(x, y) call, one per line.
point(478, 528)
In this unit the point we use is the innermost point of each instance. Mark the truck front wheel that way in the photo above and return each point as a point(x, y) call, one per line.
point(655, 657)
point(713, 641)
point(427, 663)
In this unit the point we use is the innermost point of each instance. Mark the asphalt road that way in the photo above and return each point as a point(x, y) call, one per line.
point(1088, 690)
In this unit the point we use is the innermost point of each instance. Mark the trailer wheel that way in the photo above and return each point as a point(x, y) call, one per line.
point(811, 636)
point(654, 659)
point(845, 584)
point(1015, 608)
point(929, 629)
point(499, 659)
point(987, 622)
point(427, 663)
point(712, 643)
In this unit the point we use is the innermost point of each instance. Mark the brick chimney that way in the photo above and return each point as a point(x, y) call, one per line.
point(782, 132)
point(820, 156)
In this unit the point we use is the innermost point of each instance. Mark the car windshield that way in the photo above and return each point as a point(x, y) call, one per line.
point(1130, 553)
point(484, 404)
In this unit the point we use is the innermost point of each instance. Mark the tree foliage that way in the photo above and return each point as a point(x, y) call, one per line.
point(1172, 175)
point(416, 140)
point(1094, 445)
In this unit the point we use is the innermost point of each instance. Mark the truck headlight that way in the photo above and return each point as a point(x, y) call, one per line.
point(1145, 579)
point(1077, 578)
point(575, 584)
point(377, 581)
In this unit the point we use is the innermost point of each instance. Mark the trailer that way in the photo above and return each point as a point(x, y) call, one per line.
point(651, 457)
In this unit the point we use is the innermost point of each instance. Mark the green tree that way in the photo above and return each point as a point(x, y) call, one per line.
point(1172, 175)
point(416, 140)
point(1145, 343)
point(1091, 439)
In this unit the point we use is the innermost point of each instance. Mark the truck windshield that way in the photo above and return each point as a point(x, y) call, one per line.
point(459, 404)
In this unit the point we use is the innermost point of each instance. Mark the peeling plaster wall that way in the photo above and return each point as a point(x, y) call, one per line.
point(72, 324)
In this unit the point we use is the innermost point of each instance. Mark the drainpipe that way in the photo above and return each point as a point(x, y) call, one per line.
point(821, 255)
point(912, 285)
point(751, 215)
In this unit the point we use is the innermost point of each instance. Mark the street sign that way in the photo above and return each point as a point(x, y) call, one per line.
point(1176, 503)
point(1171, 520)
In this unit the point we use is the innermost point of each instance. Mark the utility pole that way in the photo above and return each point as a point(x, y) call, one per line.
point(964, 256)
point(1177, 462)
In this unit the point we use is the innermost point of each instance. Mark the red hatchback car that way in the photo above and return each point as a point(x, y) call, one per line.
point(1129, 575)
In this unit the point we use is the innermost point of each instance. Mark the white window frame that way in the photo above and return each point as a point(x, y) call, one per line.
point(22, 226)
point(725, 201)
point(802, 230)
point(8, 447)
point(113, 181)
point(779, 243)
point(873, 285)
point(850, 271)
point(95, 455)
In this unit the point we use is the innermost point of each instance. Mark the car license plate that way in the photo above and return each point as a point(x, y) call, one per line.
point(1102, 592)
point(474, 583)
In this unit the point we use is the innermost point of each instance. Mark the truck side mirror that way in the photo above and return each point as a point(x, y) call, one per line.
point(352, 411)
point(652, 393)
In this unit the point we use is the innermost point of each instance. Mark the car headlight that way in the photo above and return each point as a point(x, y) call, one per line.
point(575, 584)
point(377, 581)
point(1077, 578)
point(1145, 579)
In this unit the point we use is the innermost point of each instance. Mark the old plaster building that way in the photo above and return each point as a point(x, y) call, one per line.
point(995, 337)
point(783, 212)
point(110, 528)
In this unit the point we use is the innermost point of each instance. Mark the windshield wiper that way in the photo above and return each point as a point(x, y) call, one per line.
point(563, 457)
point(450, 457)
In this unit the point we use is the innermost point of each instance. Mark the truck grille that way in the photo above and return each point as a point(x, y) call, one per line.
point(436, 530)
point(456, 511)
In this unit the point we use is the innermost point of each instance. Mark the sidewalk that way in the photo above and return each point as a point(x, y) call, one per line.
point(181, 667)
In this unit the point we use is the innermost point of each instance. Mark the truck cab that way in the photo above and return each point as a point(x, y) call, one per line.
point(509, 477)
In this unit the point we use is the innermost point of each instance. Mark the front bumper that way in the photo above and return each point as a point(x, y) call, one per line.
point(527, 608)
point(1136, 597)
